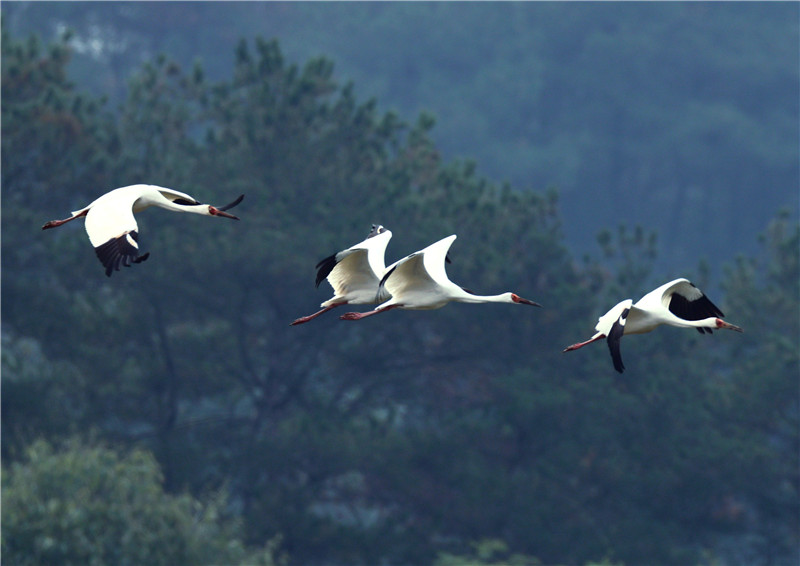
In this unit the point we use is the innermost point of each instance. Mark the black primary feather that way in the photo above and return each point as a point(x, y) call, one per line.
point(614, 338)
point(231, 205)
point(119, 251)
point(698, 309)
point(385, 277)
point(324, 268)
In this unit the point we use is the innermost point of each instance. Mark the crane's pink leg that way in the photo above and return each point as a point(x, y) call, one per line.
point(360, 315)
point(304, 319)
point(582, 344)
point(57, 223)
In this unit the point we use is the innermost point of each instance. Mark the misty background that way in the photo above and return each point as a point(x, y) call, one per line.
point(682, 118)
point(583, 152)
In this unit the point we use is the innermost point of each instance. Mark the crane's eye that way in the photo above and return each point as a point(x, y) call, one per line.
point(184, 202)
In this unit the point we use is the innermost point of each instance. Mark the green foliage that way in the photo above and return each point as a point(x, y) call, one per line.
point(486, 553)
point(48, 125)
point(493, 552)
point(761, 391)
point(32, 386)
point(90, 505)
point(629, 257)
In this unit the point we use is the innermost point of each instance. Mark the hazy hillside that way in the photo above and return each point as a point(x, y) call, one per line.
point(681, 117)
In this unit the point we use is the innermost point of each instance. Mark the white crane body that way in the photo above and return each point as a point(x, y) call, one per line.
point(677, 303)
point(419, 282)
point(354, 274)
point(358, 271)
point(111, 224)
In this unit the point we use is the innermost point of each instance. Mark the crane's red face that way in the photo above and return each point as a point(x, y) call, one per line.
point(213, 211)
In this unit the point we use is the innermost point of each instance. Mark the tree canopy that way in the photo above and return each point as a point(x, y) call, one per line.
point(89, 505)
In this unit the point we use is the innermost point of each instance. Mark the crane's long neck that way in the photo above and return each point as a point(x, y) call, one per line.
point(711, 322)
point(202, 209)
point(467, 297)
point(155, 198)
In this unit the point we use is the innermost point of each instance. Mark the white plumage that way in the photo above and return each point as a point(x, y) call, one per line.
point(111, 225)
point(420, 282)
point(354, 273)
point(677, 303)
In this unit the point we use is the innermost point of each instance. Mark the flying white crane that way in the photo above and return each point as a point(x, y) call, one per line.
point(420, 282)
point(112, 227)
point(354, 273)
point(677, 303)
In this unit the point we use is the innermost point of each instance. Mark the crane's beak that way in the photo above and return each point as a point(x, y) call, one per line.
point(722, 324)
point(219, 212)
point(517, 299)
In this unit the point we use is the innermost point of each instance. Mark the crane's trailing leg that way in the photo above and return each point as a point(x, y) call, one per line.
point(57, 223)
point(304, 319)
point(582, 344)
point(360, 315)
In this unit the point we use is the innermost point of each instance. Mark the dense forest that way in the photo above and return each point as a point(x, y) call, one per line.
point(170, 415)
point(671, 115)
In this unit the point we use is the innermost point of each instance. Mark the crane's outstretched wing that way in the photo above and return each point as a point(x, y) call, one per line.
point(420, 273)
point(352, 273)
point(407, 276)
point(357, 268)
point(689, 303)
point(350, 266)
point(113, 231)
point(324, 268)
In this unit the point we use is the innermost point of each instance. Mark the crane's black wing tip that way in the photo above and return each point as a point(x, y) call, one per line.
point(231, 205)
point(324, 268)
point(386, 276)
point(119, 251)
point(615, 338)
point(698, 309)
